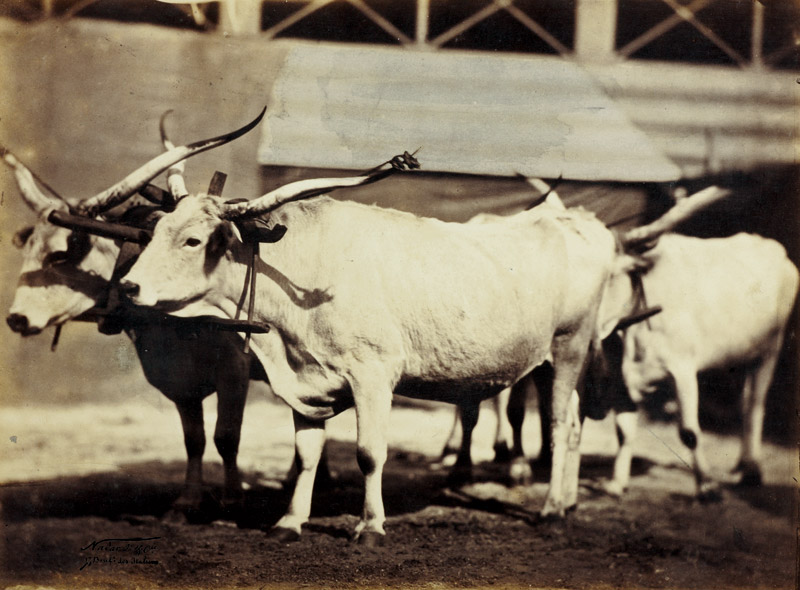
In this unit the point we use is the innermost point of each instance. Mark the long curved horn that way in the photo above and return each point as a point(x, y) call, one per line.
point(113, 196)
point(31, 194)
point(304, 189)
point(683, 210)
point(175, 181)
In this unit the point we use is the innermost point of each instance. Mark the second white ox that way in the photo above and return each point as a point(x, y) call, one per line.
point(365, 301)
point(726, 302)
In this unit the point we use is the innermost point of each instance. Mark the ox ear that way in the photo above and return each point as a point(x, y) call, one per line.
point(616, 301)
point(218, 243)
point(21, 237)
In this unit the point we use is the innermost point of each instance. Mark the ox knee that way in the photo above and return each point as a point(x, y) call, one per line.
point(688, 438)
point(366, 461)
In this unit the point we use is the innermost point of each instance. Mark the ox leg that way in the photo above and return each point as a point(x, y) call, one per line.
point(542, 377)
point(627, 423)
point(461, 473)
point(230, 410)
point(309, 440)
point(685, 379)
point(569, 356)
point(754, 398)
point(572, 463)
point(503, 433)
point(519, 472)
point(194, 438)
point(453, 439)
point(373, 405)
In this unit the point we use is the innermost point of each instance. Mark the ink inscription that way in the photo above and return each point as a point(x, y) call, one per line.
point(129, 551)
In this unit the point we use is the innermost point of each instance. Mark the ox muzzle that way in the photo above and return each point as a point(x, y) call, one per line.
point(19, 324)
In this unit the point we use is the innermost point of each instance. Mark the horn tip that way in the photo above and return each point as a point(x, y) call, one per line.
point(260, 115)
point(7, 156)
point(162, 126)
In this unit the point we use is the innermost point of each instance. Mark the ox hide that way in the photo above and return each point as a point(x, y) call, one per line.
point(759, 205)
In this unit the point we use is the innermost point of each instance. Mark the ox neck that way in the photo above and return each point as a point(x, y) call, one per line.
point(278, 300)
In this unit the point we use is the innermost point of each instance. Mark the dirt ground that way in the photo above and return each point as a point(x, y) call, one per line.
point(86, 492)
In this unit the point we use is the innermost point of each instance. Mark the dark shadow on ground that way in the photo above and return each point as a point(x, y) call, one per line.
point(776, 500)
point(145, 491)
point(148, 489)
point(599, 467)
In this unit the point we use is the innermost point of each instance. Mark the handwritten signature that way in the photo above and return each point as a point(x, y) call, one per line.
point(133, 550)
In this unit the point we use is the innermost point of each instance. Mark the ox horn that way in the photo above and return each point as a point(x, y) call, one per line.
point(175, 181)
point(304, 189)
point(683, 210)
point(116, 194)
point(31, 194)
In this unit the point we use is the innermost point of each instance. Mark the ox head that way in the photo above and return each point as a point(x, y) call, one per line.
point(620, 306)
point(180, 265)
point(65, 272)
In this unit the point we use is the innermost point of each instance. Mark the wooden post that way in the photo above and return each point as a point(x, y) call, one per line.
point(423, 16)
point(595, 29)
point(757, 36)
point(240, 17)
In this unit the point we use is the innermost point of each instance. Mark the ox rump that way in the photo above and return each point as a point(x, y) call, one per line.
point(365, 301)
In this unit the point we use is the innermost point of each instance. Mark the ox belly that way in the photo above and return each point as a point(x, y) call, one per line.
point(451, 391)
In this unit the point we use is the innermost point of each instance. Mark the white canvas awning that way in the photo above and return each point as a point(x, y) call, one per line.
point(350, 107)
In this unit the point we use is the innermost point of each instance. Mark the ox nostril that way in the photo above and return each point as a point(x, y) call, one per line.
point(17, 322)
point(128, 288)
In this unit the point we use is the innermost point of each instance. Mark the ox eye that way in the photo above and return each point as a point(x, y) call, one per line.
point(191, 242)
point(54, 258)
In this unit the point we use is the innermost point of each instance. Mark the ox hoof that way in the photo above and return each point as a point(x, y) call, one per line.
point(502, 454)
point(520, 473)
point(553, 512)
point(751, 474)
point(282, 535)
point(551, 523)
point(459, 477)
point(448, 453)
point(612, 488)
point(750, 479)
point(370, 539)
point(709, 494)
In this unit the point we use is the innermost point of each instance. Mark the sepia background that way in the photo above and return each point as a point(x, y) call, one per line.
point(625, 100)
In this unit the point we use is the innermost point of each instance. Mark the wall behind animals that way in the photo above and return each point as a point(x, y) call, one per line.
point(80, 104)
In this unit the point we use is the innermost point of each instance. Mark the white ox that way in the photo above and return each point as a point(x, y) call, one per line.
point(67, 272)
point(365, 301)
point(726, 302)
